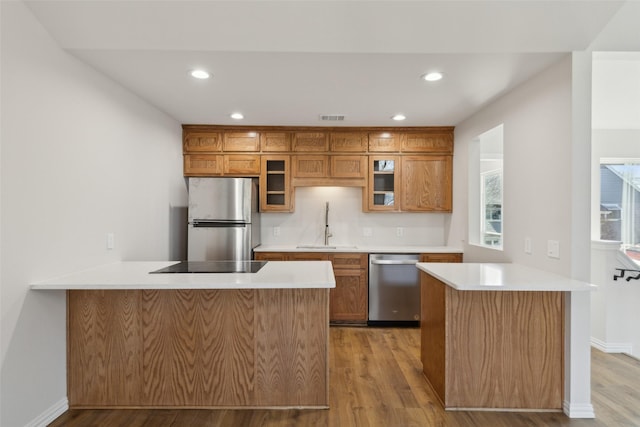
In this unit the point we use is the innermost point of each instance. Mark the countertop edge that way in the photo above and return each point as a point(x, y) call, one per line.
point(501, 277)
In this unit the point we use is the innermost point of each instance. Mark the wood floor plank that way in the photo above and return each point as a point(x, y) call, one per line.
point(375, 380)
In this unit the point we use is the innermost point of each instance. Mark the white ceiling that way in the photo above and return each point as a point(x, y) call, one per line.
point(287, 62)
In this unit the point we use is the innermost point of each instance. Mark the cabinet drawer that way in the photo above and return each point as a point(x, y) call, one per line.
point(308, 256)
point(441, 257)
point(349, 260)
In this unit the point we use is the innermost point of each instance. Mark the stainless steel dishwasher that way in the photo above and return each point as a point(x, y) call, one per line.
point(394, 290)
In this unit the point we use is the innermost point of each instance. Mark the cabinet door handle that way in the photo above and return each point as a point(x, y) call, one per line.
point(394, 262)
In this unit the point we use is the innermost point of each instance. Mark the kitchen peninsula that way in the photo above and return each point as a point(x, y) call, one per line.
point(236, 340)
point(493, 336)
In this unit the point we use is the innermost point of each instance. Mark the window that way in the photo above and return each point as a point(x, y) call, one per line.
point(620, 204)
point(486, 212)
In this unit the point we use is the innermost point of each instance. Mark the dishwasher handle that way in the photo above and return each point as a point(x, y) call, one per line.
point(394, 261)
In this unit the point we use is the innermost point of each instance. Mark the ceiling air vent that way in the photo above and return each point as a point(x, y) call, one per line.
point(332, 117)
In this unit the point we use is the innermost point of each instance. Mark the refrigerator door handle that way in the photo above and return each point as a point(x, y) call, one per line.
point(204, 223)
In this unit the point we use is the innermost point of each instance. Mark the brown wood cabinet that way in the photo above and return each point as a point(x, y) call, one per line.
point(336, 170)
point(355, 142)
point(198, 348)
point(441, 257)
point(348, 301)
point(275, 141)
point(492, 349)
point(426, 183)
point(194, 142)
point(275, 184)
point(219, 164)
point(433, 142)
point(383, 186)
point(241, 141)
point(309, 142)
point(420, 180)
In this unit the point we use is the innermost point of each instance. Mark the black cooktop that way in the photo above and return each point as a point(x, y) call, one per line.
point(213, 267)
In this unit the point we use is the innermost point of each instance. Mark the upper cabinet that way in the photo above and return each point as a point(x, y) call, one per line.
point(349, 142)
point(309, 142)
point(400, 169)
point(427, 183)
point(434, 142)
point(202, 142)
point(241, 141)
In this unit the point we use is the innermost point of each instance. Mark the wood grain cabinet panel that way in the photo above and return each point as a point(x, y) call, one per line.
point(104, 371)
point(427, 183)
point(309, 142)
point(349, 300)
point(492, 349)
point(242, 164)
point(441, 257)
point(380, 142)
point(202, 142)
point(198, 348)
point(241, 141)
point(310, 166)
point(275, 141)
point(348, 142)
point(348, 166)
point(203, 164)
point(439, 142)
point(275, 184)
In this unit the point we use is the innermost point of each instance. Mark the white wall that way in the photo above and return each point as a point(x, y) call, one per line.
point(81, 157)
point(537, 171)
point(347, 222)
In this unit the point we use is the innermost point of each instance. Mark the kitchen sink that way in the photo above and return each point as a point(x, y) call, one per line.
point(326, 247)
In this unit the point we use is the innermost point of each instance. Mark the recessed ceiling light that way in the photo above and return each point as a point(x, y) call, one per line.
point(200, 74)
point(237, 116)
point(399, 117)
point(433, 76)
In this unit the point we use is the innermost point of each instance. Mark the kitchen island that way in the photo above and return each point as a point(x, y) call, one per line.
point(493, 337)
point(235, 340)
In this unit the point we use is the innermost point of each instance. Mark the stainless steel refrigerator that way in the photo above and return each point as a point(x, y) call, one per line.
point(224, 222)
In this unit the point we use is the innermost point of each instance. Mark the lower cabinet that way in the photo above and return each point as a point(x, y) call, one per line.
point(348, 301)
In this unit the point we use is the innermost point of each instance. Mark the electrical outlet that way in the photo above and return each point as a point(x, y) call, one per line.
point(276, 231)
point(399, 231)
point(553, 249)
point(111, 241)
point(367, 232)
point(527, 245)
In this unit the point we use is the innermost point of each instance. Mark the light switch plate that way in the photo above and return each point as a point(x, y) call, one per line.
point(527, 245)
point(553, 249)
point(276, 231)
point(399, 231)
point(111, 240)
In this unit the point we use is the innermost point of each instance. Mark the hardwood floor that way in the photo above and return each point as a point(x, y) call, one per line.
point(376, 380)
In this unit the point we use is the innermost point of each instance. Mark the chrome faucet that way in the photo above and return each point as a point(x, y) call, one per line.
point(327, 234)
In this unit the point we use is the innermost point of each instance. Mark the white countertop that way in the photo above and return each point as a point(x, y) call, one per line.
point(372, 249)
point(500, 277)
point(135, 275)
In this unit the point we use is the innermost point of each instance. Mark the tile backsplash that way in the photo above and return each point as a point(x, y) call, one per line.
point(347, 223)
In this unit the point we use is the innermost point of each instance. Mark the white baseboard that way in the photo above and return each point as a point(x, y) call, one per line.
point(578, 410)
point(608, 347)
point(50, 414)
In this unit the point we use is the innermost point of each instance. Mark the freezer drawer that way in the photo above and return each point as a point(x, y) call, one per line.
point(394, 289)
point(218, 243)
